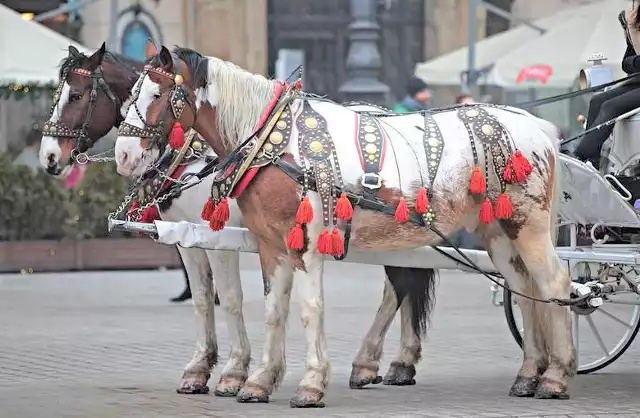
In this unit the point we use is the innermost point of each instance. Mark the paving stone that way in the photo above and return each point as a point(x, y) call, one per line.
point(109, 344)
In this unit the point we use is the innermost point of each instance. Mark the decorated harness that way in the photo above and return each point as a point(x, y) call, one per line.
point(320, 171)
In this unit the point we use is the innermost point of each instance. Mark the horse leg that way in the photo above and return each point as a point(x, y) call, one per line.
point(536, 250)
point(277, 273)
point(226, 268)
point(205, 356)
point(506, 260)
point(313, 385)
point(415, 287)
point(365, 366)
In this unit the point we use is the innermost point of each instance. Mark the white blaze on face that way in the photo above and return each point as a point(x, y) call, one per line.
point(128, 151)
point(50, 151)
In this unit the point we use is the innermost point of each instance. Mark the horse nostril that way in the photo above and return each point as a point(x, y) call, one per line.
point(51, 159)
point(123, 158)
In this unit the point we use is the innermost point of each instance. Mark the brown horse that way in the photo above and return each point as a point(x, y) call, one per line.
point(410, 290)
point(489, 169)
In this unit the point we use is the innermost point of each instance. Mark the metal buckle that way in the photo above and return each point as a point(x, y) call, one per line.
point(371, 181)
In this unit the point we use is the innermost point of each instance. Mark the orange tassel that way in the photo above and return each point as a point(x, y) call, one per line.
point(504, 208)
point(337, 243)
point(344, 210)
point(486, 212)
point(221, 212)
point(176, 136)
point(422, 201)
point(325, 245)
point(477, 182)
point(149, 215)
point(298, 84)
point(402, 211)
point(208, 209)
point(215, 225)
point(304, 215)
point(295, 239)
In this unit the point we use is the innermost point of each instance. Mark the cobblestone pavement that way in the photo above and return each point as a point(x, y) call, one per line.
point(109, 344)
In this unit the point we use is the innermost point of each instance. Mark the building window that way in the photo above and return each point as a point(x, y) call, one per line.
point(135, 27)
point(134, 40)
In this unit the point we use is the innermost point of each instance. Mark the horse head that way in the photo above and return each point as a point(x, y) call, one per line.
point(87, 104)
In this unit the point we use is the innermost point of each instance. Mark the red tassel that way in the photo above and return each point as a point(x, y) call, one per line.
point(486, 212)
point(521, 167)
point(504, 208)
point(508, 175)
point(325, 244)
point(221, 212)
point(133, 207)
point(149, 215)
point(402, 211)
point(344, 210)
point(176, 137)
point(305, 211)
point(422, 201)
point(337, 243)
point(298, 84)
point(295, 239)
point(477, 182)
point(208, 209)
point(215, 225)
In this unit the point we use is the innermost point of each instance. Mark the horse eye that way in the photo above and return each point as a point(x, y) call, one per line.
point(157, 95)
point(75, 97)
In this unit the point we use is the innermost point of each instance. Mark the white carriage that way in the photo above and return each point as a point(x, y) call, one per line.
point(594, 207)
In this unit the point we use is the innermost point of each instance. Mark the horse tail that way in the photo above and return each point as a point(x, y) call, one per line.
point(418, 286)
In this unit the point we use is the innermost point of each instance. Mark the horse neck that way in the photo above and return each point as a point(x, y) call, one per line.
point(207, 126)
point(239, 99)
point(121, 79)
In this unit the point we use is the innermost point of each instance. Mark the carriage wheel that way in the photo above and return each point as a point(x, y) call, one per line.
point(589, 325)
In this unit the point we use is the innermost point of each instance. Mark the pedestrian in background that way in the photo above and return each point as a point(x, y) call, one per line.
point(418, 97)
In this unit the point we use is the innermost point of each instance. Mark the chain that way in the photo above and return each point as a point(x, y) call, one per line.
point(83, 158)
point(125, 203)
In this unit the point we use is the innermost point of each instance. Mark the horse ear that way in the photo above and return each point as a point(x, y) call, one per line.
point(166, 61)
point(151, 50)
point(96, 59)
point(73, 51)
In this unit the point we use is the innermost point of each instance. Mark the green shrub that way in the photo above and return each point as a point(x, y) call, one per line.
point(37, 206)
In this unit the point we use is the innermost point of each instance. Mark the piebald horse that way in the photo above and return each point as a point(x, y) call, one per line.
point(298, 165)
point(410, 290)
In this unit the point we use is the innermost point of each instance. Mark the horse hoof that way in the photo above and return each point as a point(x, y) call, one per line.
point(228, 387)
point(307, 398)
point(400, 375)
point(362, 376)
point(524, 387)
point(194, 384)
point(252, 393)
point(549, 389)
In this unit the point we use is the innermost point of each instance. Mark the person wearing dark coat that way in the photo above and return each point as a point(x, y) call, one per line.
point(623, 98)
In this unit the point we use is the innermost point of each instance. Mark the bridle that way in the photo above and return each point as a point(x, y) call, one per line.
point(178, 100)
point(81, 135)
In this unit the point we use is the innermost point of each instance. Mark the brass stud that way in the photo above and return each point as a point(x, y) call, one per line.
point(311, 123)
point(178, 79)
point(281, 124)
point(371, 149)
point(276, 138)
point(267, 147)
point(472, 113)
point(316, 146)
point(434, 142)
point(487, 130)
point(196, 145)
point(369, 128)
point(372, 157)
point(370, 138)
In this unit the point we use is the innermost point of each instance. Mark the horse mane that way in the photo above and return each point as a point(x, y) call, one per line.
point(72, 62)
point(240, 98)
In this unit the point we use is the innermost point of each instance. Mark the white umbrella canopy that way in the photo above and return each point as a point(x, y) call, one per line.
point(555, 58)
point(29, 51)
point(446, 69)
